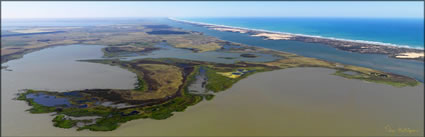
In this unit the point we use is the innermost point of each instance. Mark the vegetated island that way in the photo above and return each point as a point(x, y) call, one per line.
point(163, 84)
point(346, 45)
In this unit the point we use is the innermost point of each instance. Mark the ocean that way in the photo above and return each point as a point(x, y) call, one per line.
point(407, 32)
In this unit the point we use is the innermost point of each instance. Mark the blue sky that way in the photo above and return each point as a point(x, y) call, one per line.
point(211, 9)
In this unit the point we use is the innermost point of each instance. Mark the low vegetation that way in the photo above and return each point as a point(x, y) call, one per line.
point(62, 122)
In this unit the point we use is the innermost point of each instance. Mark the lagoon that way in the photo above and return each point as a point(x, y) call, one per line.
point(277, 103)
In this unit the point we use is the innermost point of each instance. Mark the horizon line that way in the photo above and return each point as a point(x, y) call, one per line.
point(220, 17)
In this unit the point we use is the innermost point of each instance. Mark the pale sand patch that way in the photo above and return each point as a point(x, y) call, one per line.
point(230, 29)
point(272, 36)
point(410, 55)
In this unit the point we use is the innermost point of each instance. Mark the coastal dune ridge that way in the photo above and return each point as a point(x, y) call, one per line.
point(295, 34)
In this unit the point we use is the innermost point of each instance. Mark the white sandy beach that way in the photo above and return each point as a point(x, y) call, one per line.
point(272, 36)
point(230, 29)
point(410, 55)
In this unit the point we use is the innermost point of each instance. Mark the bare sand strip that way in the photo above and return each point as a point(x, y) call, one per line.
point(273, 36)
point(411, 55)
point(230, 29)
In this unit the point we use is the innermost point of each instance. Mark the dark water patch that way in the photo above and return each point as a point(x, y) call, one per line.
point(72, 94)
point(43, 40)
point(230, 47)
point(227, 57)
point(131, 113)
point(83, 106)
point(166, 32)
point(83, 101)
point(183, 65)
point(247, 55)
point(242, 72)
point(48, 100)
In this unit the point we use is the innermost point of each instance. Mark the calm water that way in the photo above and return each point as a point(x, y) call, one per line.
point(295, 102)
point(409, 32)
point(53, 69)
point(299, 101)
point(47, 100)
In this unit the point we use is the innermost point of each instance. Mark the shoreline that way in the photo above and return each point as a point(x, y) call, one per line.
point(298, 34)
point(360, 46)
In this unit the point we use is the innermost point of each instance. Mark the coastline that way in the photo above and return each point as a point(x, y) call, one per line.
point(297, 34)
point(360, 46)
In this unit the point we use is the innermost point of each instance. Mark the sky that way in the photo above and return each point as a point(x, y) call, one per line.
point(93, 9)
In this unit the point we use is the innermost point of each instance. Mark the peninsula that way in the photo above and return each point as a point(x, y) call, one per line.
point(346, 45)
